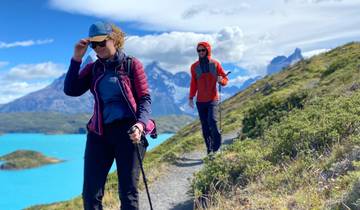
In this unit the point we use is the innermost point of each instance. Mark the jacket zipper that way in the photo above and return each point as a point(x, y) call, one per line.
point(123, 93)
point(127, 101)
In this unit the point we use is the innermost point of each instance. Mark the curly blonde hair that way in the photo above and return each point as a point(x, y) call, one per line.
point(118, 36)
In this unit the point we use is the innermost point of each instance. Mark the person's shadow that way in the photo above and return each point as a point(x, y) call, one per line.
point(187, 162)
point(187, 205)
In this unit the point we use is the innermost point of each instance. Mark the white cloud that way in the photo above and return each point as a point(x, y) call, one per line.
point(312, 1)
point(18, 88)
point(26, 43)
point(13, 90)
point(238, 80)
point(35, 71)
point(311, 53)
point(254, 16)
point(3, 63)
point(246, 33)
point(206, 9)
point(177, 50)
point(26, 78)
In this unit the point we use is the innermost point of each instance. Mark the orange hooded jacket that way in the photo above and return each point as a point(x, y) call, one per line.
point(204, 84)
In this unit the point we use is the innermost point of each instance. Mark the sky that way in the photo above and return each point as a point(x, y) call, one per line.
point(38, 36)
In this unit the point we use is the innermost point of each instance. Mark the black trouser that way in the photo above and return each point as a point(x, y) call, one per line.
point(207, 113)
point(100, 153)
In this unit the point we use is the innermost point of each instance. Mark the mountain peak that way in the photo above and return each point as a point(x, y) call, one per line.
point(154, 65)
point(280, 62)
point(296, 56)
point(58, 83)
point(278, 59)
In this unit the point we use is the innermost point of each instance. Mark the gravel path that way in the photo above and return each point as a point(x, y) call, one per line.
point(170, 192)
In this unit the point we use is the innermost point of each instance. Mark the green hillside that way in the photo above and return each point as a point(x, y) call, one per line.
point(53, 122)
point(43, 122)
point(300, 142)
point(299, 146)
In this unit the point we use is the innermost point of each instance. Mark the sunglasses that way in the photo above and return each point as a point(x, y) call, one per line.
point(100, 44)
point(201, 50)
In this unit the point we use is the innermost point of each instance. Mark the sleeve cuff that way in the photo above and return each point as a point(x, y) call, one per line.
point(75, 62)
point(142, 123)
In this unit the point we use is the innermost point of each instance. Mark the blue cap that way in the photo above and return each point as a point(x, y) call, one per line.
point(99, 31)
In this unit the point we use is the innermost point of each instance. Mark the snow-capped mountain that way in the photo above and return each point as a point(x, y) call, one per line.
point(169, 92)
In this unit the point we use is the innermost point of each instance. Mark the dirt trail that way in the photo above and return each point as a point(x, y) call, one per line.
point(170, 192)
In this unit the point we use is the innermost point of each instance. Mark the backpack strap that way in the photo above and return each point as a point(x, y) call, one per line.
point(130, 74)
point(128, 68)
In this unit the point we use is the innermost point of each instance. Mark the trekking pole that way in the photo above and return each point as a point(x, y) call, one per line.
point(220, 103)
point(132, 130)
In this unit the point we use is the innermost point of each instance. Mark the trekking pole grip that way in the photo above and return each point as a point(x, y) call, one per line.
point(132, 129)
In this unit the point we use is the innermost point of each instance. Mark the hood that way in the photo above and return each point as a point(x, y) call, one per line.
point(207, 46)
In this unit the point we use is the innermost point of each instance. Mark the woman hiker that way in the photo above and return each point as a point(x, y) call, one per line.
point(121, 103)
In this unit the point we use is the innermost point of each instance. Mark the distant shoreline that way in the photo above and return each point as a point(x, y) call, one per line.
point(60, 123)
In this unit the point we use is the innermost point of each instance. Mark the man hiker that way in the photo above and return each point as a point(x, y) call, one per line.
point(205, 73)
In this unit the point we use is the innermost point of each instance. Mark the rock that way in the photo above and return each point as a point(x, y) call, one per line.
point(342, 167)
point(354, 87)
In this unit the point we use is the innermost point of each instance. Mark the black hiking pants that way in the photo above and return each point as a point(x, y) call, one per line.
point(100, 153)
point(208, 118)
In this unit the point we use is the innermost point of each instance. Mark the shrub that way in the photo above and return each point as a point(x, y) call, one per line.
point(263, 115)
point(241, 162)
point(326, 121)
point(336, 65)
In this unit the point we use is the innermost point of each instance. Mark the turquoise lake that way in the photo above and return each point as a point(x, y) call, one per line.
point(50, 183)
